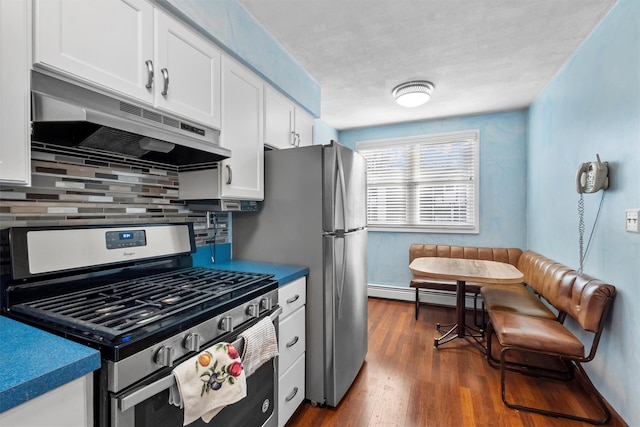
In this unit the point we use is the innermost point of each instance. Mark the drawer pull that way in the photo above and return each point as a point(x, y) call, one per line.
point(293, 299)
point(293, 342)
point(292, 395)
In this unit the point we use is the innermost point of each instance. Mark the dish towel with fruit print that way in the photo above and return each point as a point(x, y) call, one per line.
point(260, 345)
point(208, 382)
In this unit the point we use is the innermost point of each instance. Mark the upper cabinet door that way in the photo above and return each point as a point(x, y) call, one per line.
point(106, 42)
point(187, 72)
point(279, 116)
point(15, 63)
point(242, 175)
point(304, 128)
point(286, 125)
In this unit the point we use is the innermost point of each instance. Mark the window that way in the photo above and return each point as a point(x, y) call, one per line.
point(423, 183)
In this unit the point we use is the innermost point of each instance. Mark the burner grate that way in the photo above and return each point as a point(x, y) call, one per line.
point(119, 308)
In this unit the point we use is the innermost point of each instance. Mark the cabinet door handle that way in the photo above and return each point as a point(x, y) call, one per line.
point(293, 342)
point(292, 395)
point(293, 138)
point(293, 299)
point(165, 75)
point(229, 174)
point(149, 73)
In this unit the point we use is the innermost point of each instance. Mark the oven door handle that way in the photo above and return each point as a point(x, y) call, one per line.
point(139, 396)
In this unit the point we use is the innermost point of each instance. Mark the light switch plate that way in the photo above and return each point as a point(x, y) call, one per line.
point(631, 223)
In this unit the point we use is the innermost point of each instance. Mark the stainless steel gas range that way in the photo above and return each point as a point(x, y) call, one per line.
point(131, 292)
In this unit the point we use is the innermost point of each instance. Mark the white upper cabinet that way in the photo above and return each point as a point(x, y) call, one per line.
point(286, 125)
point(279, 115)
point(127, 46)
point(188, 80)
point(103, 42)
point(15, 63)
point(304, 128)
point(242, 175)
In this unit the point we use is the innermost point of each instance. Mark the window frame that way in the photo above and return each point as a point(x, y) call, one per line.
point(431, 139)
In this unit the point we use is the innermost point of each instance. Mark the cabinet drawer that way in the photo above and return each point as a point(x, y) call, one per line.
point(292, 339)
point(291, 391)
point(292, 296)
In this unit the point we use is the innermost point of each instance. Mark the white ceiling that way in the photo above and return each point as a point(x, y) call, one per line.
point(482, 55)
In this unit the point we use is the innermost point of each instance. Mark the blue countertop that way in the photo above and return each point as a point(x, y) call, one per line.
point(283, 273)
point(33, 362)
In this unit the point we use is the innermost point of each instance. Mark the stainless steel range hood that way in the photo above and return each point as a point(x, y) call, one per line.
point(73, 116)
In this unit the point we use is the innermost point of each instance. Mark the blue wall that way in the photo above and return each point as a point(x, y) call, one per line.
point(323, 133)
point(228, 24)
point(593, 106)
point(502, 190)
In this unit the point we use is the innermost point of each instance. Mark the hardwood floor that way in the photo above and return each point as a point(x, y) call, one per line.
point(405, 382)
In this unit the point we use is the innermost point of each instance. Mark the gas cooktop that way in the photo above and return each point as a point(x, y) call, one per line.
point(119, 309)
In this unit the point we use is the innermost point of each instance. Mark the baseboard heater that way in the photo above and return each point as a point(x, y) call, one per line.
point(427, 296)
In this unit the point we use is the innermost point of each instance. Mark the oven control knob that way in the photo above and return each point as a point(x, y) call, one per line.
point(253, 310)
point(226, 324)
point(164, 356)
point(266, 303)
point(192, 342)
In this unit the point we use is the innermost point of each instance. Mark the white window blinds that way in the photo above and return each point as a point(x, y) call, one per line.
point(427, 182)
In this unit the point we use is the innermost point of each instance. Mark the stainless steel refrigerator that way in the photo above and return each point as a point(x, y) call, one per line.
point(314, 214)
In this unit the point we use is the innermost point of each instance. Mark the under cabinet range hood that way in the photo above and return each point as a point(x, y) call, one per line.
point(73, 116)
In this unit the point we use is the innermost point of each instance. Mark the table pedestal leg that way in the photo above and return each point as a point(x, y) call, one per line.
point(460, 306)
point(459, 330)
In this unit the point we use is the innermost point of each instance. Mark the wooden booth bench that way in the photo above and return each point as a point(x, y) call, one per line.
point(528, 319)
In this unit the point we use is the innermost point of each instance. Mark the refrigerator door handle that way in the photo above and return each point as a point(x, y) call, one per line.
point(343, 189)
point(340, 284)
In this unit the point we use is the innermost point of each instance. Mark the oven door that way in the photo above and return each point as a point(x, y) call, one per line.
point(148, 405)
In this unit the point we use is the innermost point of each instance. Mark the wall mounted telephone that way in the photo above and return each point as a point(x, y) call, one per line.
point(592, 176)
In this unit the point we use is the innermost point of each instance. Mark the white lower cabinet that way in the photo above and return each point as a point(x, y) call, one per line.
point(292, 338)
point(291, 391)
point(291, 348)
point(70, 405)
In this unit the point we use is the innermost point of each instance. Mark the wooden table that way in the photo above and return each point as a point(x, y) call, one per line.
point(463, 270)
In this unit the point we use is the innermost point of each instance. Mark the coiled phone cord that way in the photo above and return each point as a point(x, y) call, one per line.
point(581, 228)
point(581, 231)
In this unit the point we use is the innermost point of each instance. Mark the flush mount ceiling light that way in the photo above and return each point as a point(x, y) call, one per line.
point(413, 94)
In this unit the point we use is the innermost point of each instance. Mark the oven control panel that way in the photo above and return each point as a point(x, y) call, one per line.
point(189, 342)
point(125, 239)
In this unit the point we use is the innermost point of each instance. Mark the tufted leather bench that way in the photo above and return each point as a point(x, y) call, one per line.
point(507, 255)
point(523, 324)
point(542, 277)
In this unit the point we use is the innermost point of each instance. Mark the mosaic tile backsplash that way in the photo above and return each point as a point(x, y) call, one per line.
point(82, 186)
